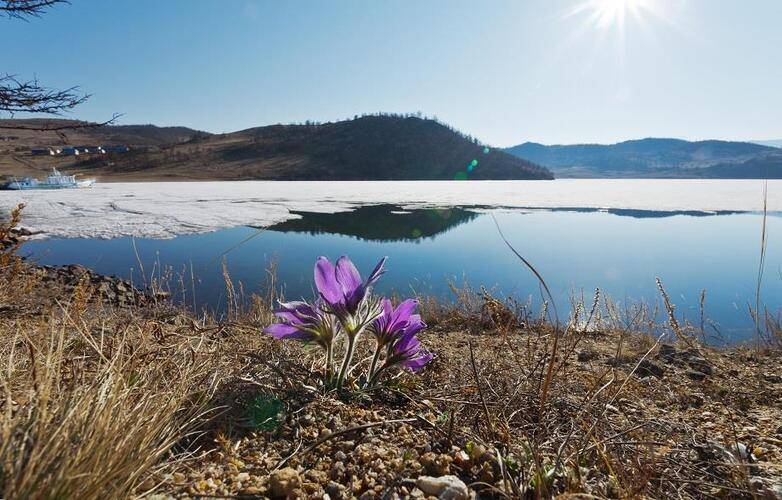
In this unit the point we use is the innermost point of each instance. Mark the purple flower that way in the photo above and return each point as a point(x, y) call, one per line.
point(409, 352)
point(301, 321)
point(393, 322)
point(341, 287)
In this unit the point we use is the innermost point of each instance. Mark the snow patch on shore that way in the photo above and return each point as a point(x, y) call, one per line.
point(167, 209)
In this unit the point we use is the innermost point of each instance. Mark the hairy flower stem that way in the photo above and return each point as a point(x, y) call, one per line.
point(373, 366)
point(376, 376)
point(348, 358)
point(329, 364)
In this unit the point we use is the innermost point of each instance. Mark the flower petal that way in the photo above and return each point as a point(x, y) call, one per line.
point(288, 316)
point(283, 331)
point(414, 325)
point(388, 308)
point(407, 345)
point(347, 276)
point(417, 363)
point(404, 310)
point(326, 281)
point(377, 272)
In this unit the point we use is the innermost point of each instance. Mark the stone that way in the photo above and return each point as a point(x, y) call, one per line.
point(765, 488)
point(462, 459)
point(649, 368)
point(77, 270)
point(667, 352)
point(334, 490)
point(700, 364)
point(446, 487)
point(436, 464)
point(283, 482)
point(695, 375)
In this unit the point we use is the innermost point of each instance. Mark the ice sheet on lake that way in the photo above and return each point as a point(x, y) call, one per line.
point(165, 209)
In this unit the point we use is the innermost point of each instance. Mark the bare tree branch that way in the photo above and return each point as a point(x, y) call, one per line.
point(18, 96)
point(29, 96)
point(20, 9)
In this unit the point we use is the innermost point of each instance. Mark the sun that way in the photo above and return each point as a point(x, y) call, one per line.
point(610, 14)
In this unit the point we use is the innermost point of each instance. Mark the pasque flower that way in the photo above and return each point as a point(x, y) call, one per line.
point(344, 292)
point(395, 332)
point(409, 352)
point(308, 323)
point(346, 306)
point(348, 297)
point(393, 320)
point(301, 321)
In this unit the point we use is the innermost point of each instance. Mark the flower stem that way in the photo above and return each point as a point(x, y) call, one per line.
point(346, 362)
point(374, 377)
point(373, 366)
point(329, 364)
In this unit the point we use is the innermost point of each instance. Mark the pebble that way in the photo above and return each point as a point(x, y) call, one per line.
point(283, 482)
point(447, 487)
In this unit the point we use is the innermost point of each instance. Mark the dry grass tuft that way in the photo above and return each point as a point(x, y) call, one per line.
point(93, 397)
point(89, 410)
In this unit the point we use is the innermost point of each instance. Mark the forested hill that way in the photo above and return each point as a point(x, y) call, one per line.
point(372, 147)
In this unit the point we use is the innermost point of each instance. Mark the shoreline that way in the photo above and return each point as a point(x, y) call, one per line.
point(163, 210)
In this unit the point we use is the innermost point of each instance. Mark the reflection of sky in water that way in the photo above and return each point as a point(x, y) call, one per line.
point(574, 251)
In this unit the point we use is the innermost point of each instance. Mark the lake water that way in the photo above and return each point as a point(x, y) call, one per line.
point(621, 251)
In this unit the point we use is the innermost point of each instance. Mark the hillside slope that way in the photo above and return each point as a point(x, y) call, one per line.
point(774, 143)
point(653, 158)
point(130, 135)
point(366, 148)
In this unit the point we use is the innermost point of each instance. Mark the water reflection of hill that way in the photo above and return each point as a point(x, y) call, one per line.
point(647, 214)
point(379, 222)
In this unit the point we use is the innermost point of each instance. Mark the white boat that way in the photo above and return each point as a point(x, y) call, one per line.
point(55, 180)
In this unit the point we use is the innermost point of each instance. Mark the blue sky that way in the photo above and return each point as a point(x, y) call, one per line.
point(552, 71)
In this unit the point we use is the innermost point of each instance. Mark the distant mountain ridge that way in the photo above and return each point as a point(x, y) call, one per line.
point(652, 157)
point(774, 143)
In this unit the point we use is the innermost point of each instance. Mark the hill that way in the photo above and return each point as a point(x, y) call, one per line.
point(768, 166)
point(377, 147)
point(130, 135)
point(774, 143)
point(654, 158)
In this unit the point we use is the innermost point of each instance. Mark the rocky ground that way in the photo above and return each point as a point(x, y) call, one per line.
point(59, 283)
point(687, 421)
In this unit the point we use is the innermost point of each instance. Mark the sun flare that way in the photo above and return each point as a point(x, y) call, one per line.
point(607, 14)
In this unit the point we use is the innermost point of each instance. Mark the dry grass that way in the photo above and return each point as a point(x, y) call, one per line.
point(606, 424)
point(86, 415)
point(93, 397)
